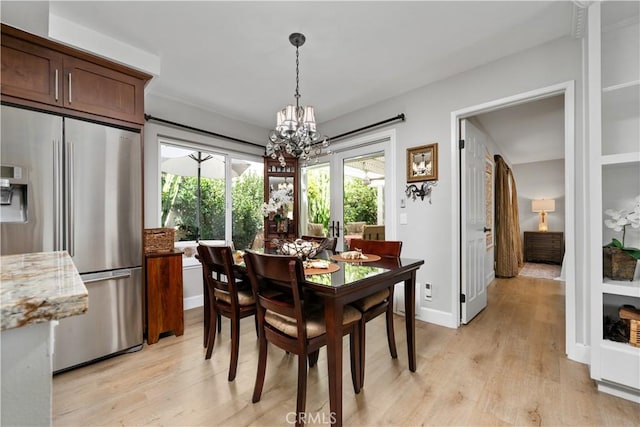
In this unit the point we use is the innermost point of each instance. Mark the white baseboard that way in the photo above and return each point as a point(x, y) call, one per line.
point(193, 302)
point(624, 393)
point(580, 353)
point(437, 317)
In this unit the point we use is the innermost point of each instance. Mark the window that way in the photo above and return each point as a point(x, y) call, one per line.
point(197, 186)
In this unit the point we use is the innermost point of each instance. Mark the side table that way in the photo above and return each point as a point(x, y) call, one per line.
point(164, 305)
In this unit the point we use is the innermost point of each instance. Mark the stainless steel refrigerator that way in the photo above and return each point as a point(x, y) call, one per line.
point(73, 185)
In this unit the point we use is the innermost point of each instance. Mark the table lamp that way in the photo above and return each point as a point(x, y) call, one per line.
point(543, 206)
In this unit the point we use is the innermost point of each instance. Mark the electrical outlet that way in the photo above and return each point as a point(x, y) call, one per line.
point(427, 291)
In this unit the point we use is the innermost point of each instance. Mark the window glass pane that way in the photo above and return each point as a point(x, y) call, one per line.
point(247, 195)
point(316, 200)
point(364, 189)
point(193, 193)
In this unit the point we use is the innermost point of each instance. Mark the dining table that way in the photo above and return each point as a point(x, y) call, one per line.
point(351, 281)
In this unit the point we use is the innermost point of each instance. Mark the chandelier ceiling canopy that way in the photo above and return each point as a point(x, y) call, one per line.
point(295, 132)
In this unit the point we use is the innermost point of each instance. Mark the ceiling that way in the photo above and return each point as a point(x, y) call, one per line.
point(528, 133)
point(235, 59)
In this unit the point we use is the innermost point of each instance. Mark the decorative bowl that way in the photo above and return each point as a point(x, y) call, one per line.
point(303, 249)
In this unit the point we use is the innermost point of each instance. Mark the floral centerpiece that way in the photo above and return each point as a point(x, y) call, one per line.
point(277, 206)
point(619, 261)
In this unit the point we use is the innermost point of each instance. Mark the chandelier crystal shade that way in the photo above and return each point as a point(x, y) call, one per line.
point(295, 132)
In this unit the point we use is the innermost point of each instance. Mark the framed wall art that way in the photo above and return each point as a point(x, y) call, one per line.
point(422, 163)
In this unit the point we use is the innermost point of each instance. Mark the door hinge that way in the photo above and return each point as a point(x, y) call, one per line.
point(463, 298)
point(461, 144)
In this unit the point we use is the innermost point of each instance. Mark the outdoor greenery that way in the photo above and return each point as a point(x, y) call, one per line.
point(318, 197)
point(179, 206)
point(360, 202)
point(360, 199)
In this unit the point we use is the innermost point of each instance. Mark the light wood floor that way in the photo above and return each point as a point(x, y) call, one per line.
point(505, 368)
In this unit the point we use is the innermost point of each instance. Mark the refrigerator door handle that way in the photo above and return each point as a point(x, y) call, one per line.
point(110, 275)
point(57, 194)
point(70, 201)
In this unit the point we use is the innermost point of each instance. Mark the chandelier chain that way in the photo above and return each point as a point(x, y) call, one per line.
point(297, 95)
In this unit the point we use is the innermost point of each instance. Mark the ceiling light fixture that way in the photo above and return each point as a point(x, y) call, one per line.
point(295, 131)
point(366, 180)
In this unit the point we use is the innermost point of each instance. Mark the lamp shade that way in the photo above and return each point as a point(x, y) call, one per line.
point(546, 205)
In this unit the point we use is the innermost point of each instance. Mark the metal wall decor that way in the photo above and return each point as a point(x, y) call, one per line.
point(423, 191)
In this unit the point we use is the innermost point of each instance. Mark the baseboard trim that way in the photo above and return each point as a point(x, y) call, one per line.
point(193, 302)
point(580, 353)
point(624, 393)
point(437, 317)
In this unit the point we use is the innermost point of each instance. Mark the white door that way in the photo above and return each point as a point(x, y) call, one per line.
point(472, 157)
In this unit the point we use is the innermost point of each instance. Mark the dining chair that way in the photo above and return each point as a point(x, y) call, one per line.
point(292, 321)
point(226, 298)
point(331, 242)
point(380, 302)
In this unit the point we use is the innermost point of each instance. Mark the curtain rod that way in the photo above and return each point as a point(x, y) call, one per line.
point(400, 116)
point(149, 117)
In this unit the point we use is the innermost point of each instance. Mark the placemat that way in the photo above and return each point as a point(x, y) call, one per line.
point(331, 268)
point(370, 257)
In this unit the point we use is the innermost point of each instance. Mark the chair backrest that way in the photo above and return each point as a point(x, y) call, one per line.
point(315, 229)
point(383, 248)
point(373, 232)
point(217, 261)
point(354, 228)
point(329, 242)
point(280, 273)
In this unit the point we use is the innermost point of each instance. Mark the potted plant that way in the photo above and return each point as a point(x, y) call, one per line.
point(277, 207)
point(619, 261)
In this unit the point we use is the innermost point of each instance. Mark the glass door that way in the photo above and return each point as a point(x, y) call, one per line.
point(343, 195)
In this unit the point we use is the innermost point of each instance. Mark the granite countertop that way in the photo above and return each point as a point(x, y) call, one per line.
point(39, 287)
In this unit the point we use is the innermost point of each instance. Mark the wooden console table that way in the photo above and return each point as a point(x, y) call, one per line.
point(544, 246)
point(164, 308)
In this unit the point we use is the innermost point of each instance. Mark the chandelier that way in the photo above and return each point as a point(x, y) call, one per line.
point(295, 132)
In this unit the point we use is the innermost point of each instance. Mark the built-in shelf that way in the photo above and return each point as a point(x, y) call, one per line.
point(615, 287)
point(617, 159)
point(621, 347)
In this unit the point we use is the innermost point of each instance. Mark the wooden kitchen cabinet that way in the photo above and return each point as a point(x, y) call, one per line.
point(164, 309)
point(544, 246)
point(37, 72)
point(30, 71)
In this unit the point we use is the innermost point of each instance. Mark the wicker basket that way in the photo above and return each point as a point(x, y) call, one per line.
point(631, 317)
point(158, 239)
point(634, 337)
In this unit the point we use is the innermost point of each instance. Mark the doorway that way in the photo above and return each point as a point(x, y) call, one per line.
point(458, 176)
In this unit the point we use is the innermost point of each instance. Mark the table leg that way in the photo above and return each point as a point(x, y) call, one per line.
point(333, 316)
point(410, 318)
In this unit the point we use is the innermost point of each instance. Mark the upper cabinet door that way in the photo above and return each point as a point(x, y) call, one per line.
point(31, 72)
point(95, 89)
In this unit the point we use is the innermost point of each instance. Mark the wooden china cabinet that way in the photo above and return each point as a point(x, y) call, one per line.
point(277, 176)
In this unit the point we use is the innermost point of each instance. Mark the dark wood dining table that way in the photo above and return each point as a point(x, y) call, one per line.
point(355, 280)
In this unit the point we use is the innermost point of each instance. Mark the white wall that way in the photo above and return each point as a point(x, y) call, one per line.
point(428, 232)
point(540, 180)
